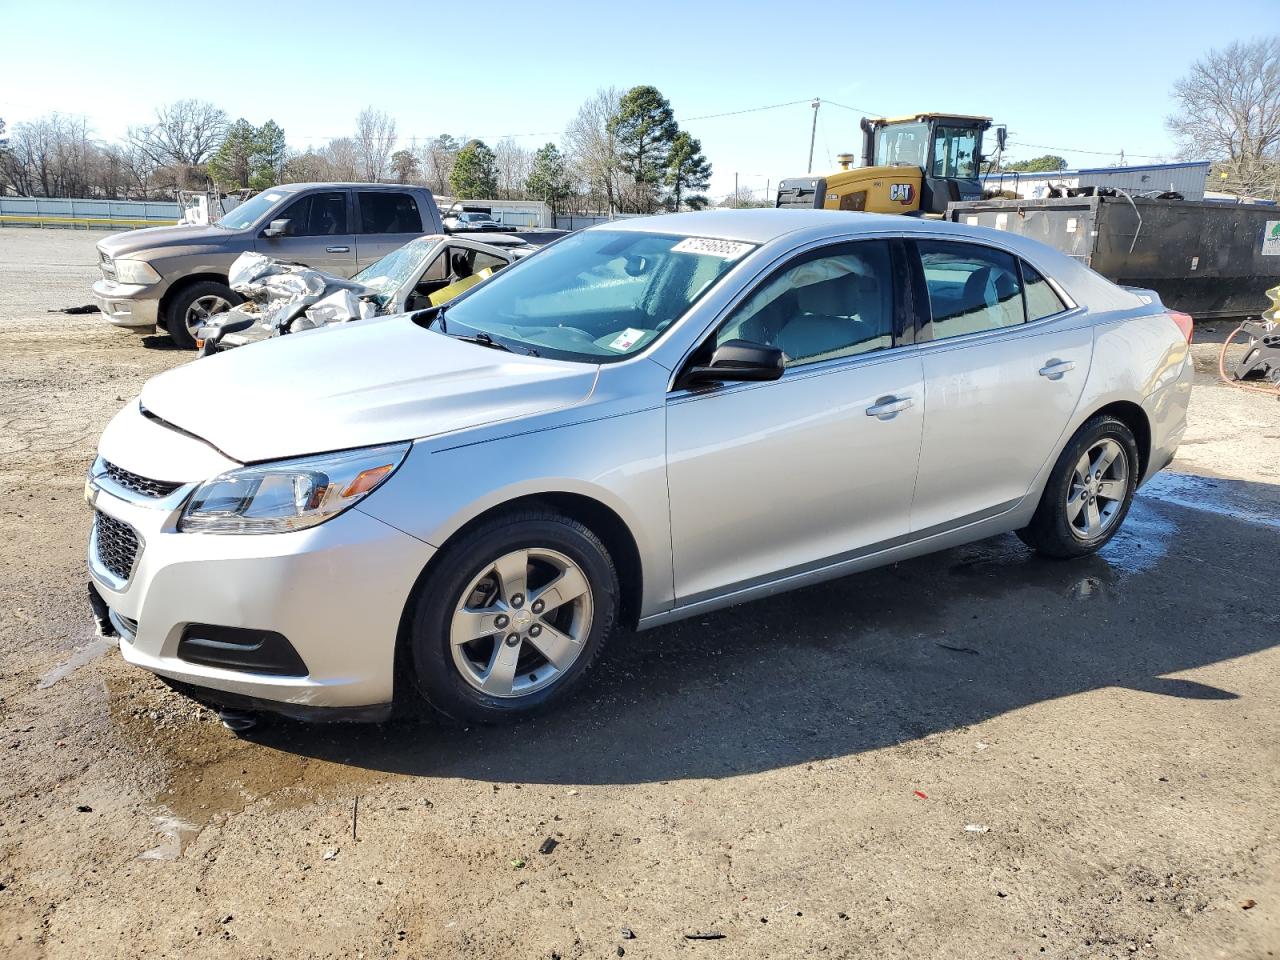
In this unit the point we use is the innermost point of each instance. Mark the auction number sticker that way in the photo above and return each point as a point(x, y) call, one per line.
point(724, 249)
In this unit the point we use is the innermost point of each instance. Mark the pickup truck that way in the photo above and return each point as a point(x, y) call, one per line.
point(175, 278)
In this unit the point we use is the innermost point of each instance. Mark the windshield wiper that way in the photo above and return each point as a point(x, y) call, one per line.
point(484, 340)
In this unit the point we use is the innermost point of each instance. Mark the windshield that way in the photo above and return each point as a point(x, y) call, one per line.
point(388, 274)
point(902, 144)
point(248, 212)
point(955, 152)
point(598, 295)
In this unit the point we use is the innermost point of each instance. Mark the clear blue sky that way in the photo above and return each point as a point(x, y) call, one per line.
point(1083, 76)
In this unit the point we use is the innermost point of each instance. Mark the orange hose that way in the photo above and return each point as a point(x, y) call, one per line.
point(1222, 370)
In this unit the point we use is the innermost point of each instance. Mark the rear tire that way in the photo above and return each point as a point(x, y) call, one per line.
point(1089, 491)
point(190, 308)
point(490, 608)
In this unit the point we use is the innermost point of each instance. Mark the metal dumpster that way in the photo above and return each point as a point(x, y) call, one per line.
point(1207, 259)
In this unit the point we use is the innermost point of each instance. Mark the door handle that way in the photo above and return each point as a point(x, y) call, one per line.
point(337, 249)
point(886, 408)
point(1054, 369)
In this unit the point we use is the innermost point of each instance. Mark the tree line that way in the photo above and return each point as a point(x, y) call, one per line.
point(623, 152)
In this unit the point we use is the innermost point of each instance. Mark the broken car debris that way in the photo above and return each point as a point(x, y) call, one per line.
point(282, 297)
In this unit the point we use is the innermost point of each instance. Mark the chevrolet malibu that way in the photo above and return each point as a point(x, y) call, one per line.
point(646, 421)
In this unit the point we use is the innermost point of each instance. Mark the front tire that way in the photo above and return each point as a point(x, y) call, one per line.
point(192, 307)
point(512, 617)
point(1089, 491)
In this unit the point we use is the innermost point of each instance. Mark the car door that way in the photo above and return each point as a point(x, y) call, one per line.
point(387, 220)
point(778, 478)
point(1004, 370)
point(319, 235)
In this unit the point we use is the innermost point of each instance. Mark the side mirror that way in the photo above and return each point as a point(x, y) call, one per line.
point(1002, 134)
point(279, 228)
point(737, 361)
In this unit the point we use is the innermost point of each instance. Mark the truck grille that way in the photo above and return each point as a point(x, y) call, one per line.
point(143, 486)
point(117, 544)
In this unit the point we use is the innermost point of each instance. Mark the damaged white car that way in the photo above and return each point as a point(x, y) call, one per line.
point(282, 297)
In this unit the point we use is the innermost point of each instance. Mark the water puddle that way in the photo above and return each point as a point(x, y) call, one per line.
point(1209, 495)
point(176, 833)
point(79, 657)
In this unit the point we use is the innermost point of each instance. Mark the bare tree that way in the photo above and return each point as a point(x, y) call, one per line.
point(514, 163)
point(1229, 111)
point(343, 158)
point(437, 156)
point(311, 166)
point(184, 136)
point(592, 148)
point(375, 140)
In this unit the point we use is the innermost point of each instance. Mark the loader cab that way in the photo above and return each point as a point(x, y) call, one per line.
point(946, 148)
point(910, 165)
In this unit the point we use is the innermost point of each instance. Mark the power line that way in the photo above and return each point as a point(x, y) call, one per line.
point(734, 113)
point(1099, 153)
point(862, 110)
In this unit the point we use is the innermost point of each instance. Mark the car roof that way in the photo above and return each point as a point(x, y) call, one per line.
point(335, 185)
point(763, 225)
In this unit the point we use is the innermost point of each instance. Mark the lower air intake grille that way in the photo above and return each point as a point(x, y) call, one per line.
point(117, 545)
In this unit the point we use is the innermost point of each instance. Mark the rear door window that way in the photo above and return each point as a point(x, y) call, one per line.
point(387, 212)
point(971, 288)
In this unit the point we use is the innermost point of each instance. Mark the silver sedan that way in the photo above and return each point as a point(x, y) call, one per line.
point(646, 421)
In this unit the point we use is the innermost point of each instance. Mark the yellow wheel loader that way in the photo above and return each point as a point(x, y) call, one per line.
point(914, 165)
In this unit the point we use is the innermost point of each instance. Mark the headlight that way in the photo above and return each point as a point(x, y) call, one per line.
point(137, 272)
point(290, 494)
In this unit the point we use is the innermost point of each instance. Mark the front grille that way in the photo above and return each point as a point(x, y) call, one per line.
point(117, 545)
point(140, 485)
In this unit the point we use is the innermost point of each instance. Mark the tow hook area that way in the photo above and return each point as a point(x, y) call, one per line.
point(101, 616)
point(238, 721)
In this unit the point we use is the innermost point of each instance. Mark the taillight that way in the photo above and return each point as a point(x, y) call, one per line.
point(1184, 322)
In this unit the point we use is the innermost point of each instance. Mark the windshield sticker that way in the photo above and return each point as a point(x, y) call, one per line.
point(724, 249)
point(627, 339)
point(273, 197)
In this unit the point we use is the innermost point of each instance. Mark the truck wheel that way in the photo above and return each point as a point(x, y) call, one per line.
point(1088, 493)
point(191, 308)
point(512, 617)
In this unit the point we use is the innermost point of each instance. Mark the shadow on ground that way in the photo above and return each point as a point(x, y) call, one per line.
point(875, 659)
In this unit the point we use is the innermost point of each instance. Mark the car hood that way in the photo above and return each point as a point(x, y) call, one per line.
point(376, 381)
point(156, 238)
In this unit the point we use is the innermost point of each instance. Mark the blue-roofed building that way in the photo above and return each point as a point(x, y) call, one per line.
point(1187, 178)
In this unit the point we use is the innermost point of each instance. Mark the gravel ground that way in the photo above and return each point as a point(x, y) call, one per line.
point(974, 754)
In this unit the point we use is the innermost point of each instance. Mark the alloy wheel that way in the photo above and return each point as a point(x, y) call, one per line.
point(521, 623)
point(1098, 488)
point(202, 309)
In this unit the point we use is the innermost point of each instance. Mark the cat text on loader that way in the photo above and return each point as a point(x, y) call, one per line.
point(915, 165)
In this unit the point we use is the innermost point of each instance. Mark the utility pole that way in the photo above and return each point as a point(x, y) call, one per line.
point(737, 198)
point(767, 195)
point(813, 133)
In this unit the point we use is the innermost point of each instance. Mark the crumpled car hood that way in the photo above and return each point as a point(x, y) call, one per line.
point(378, 381)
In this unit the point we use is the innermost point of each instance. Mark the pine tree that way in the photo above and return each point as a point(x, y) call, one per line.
point(687, 169)
point(645, 128)
point(475, 172)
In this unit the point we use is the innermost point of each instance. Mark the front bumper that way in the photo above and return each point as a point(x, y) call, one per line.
point(127, 305)
point(335, 591)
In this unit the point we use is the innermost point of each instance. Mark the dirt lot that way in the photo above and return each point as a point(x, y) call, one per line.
point(975, 754)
